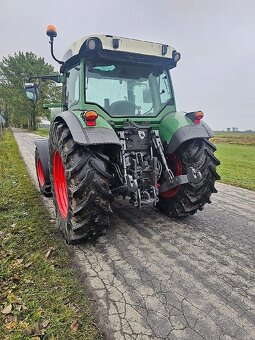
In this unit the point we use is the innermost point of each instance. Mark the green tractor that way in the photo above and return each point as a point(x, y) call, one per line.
point(117, 133)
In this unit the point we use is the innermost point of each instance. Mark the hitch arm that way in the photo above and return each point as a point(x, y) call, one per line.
point(158, 146)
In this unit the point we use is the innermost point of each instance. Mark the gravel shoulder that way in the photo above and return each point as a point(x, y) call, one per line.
point(152, 277)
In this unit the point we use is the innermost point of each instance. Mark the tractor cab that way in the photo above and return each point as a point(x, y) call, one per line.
point(122, 77)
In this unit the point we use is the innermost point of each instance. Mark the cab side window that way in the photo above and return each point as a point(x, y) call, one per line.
point(164, 89)
point(72, 86)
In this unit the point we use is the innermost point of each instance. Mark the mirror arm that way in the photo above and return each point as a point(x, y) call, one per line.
point(53, 77)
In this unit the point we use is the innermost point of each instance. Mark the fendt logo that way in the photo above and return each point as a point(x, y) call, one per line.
point(141, 134)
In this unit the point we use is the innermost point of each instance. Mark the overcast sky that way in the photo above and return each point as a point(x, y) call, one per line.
point(216, 39)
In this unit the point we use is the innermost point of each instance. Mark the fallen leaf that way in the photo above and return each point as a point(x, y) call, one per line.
point(16, 279)
point(10, 325)
point(7, 309)
point(10, 318)
point(49, 252)
point(45, 324)
point(74, 326)
point(74, 308)
point(18, 262)
point(19, 308)
point(28, 264)
point(28, 331)
point(29, 281)
point(18, 300)
point(37, 329)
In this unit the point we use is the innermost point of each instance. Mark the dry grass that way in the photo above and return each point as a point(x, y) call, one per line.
point(240, 138)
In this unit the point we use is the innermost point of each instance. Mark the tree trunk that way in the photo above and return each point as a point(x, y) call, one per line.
point(33, 127)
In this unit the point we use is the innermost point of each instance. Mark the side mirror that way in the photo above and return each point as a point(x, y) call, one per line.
point(32, 91)
point(147, 96)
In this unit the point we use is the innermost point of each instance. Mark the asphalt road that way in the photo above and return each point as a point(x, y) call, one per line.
point(152, 277)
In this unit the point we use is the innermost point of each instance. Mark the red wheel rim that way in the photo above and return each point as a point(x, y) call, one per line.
point(175, 165)
point(40, 173)
point(59, 178)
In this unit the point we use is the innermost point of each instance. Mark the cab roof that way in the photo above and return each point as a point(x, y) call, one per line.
point(120, 44)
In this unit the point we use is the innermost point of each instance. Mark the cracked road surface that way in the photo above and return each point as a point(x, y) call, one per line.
point(152, 277)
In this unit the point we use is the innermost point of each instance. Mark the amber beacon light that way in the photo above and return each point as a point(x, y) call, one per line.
point(51, 31)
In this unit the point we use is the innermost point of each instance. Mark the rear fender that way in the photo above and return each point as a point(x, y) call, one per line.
point(176, 128)
point(42, 146)
point(186, 133)
point(102, 134)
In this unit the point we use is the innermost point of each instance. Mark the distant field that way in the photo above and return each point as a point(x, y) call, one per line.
point(237, 164)
point(240, 138)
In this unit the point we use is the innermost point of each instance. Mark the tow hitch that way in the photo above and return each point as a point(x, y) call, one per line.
point(192, 177)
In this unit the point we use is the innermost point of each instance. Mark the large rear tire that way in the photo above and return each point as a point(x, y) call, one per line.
point(80, 186)
point(188, 198)
point(43, 179)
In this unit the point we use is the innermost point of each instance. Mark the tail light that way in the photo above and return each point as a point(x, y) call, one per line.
point(195, 116)
point(198, 116)
point(90, 118)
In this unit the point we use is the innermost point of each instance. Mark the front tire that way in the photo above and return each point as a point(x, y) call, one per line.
point(187, 199)
point(80, 186)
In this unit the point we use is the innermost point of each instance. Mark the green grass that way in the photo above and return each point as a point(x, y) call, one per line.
point(44, 132)
point(237, 165)
point(36, 279)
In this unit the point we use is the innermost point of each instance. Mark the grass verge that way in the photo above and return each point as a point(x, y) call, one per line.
point(237, 165)
point(39, 295)
point(44, 132)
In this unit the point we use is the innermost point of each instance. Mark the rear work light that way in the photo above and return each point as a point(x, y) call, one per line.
point(176, 56)
point(90, 118)
point(91, 43)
